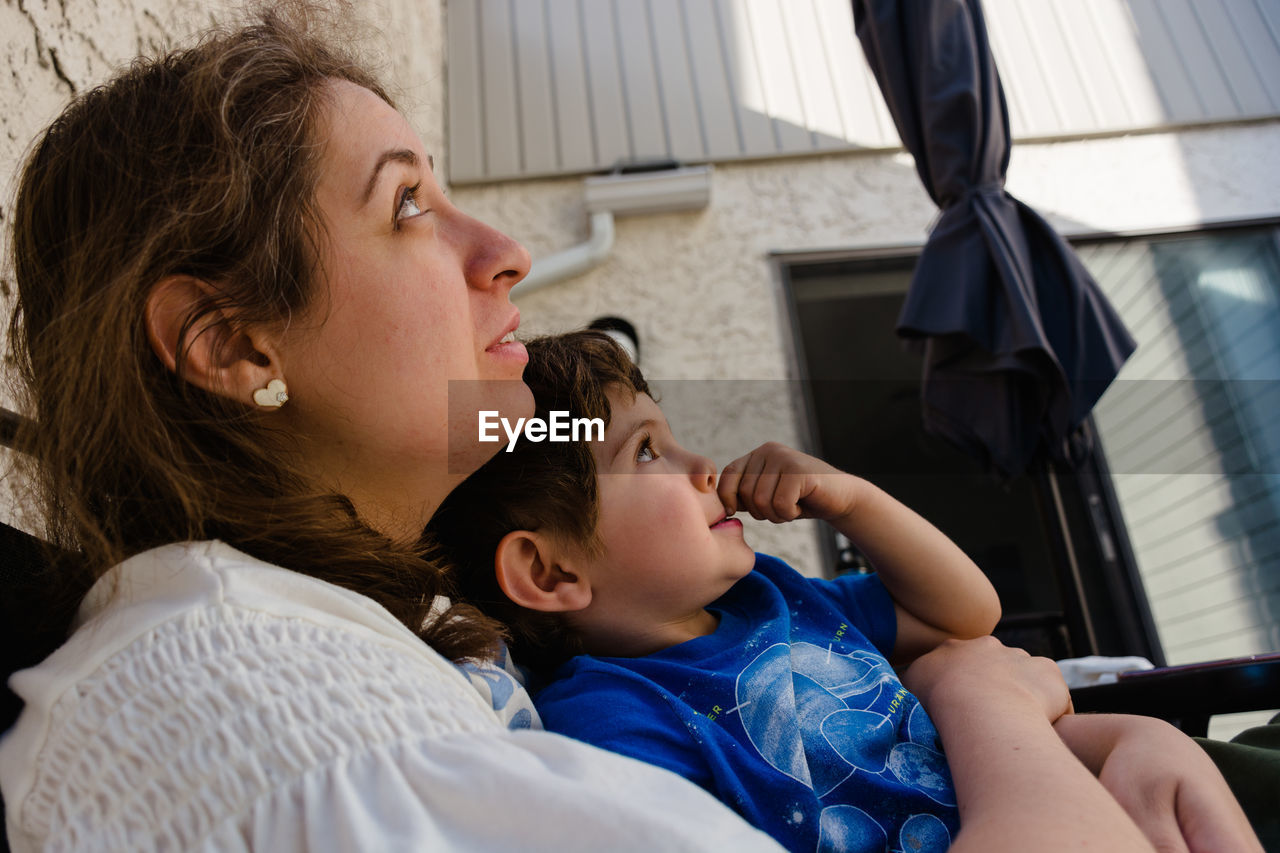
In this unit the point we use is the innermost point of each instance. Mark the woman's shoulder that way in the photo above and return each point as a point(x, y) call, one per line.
point(198, 656)
point(258, 710)
point(200, 605)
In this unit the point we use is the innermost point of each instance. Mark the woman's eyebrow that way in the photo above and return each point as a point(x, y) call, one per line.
point(395, 155)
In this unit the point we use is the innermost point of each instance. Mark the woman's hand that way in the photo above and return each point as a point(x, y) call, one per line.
point(968, 676)
point(1018, 786)
point(1165, 782)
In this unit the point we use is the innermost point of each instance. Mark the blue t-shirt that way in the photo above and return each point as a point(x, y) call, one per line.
point(788, 712)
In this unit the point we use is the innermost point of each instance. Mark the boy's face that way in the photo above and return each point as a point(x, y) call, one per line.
point(668, 549)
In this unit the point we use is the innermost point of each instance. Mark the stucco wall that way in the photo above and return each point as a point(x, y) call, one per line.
point(703, 294)
point(54, 50)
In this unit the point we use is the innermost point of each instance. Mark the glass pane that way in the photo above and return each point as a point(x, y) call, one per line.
point(1190, 432)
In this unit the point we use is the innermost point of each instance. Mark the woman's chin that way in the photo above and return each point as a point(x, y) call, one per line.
point(482, 416)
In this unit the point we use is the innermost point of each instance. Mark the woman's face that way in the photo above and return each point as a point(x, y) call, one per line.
point(411, 294)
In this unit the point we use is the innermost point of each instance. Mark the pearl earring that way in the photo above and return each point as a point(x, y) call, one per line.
point(275, 395)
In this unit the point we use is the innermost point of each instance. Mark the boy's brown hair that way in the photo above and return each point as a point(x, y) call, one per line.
point(543, 486)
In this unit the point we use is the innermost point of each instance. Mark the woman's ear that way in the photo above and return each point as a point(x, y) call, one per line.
point(532, 571)
point(220, 356)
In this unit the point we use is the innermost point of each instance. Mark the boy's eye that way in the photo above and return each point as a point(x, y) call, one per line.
point(407, 205)
point(646, 453)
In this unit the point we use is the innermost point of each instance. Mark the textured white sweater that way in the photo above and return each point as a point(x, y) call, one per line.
point(210, 701)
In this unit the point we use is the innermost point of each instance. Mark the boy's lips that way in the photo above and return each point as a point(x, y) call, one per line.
point(727, 522)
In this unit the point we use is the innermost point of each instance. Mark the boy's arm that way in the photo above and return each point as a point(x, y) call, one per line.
point(937, 590)
point(1169, 786)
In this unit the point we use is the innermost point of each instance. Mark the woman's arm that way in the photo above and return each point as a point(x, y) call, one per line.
point(1018, 785)
point(937, 590)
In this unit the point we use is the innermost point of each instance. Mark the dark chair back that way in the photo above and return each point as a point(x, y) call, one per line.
point(27, 636)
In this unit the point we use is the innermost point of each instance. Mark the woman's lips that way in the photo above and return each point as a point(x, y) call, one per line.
point(509, 348)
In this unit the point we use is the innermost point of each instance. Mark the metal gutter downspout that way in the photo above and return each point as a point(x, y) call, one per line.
point(572, 261)
point(661, 187)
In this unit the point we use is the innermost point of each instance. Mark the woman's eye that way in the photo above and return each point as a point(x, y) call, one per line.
point(408, 205)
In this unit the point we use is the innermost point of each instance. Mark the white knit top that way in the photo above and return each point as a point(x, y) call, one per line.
point(214, 702)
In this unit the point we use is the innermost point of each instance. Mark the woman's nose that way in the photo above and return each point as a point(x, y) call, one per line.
point(493, 258)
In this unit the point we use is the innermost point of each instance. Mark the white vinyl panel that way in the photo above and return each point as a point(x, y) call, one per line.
point(1020, 68)
point(815, 83)
point(647, 120)
point(1261, 44)
point(1269, 13)
point(1129, 421)
point(1164, 357)
point(538, 131)
point(1131, 74)
point(1233, 643)
point(1164, 543)
point(675, 81)
point(1181, 546)
point(884, 118)
point(997, 34)
point(1116, 411)
point(466, 102)
point(863, 114)
point(569, 75)
point(1130, 487)
point(1234, 572)
point(1232, 56)
point(782, 101)
point(1062, 70)
point(1125, 273)
point(1214, 576)
point(1159, 355)
point(1189, 500)
point(709, 65)
point(1174, 492)
point(1221, 631)
point(1227, 614)
point(746, 79)
point(1168, 68)
point(501, 91)
point(604, 84)
point(1091, 63)
point(1148, 440)
point(1186, 25)
point(1138, 303)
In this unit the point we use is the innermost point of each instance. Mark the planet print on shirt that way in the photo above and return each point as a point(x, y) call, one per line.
point(820, 716)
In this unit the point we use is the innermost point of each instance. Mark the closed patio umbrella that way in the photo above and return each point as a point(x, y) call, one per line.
point(1019, 342)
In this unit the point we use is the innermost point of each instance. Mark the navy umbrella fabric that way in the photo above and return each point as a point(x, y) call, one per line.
point(1019, 342)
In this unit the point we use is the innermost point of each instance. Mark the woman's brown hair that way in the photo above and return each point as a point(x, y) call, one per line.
point(202, 162)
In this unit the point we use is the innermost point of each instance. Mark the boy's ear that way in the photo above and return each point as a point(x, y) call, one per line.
point(221, 356)
point(532, 572)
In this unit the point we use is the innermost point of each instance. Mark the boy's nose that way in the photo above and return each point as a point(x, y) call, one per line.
point(703, 474)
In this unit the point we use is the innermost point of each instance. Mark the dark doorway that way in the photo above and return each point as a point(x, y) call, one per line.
point(863, 391)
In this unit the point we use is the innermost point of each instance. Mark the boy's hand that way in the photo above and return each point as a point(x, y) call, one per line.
point(776, 483)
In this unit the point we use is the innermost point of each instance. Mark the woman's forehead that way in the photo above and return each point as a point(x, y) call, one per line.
point(361, 134)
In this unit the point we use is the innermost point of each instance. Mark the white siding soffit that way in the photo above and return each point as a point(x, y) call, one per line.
point(556, 87)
